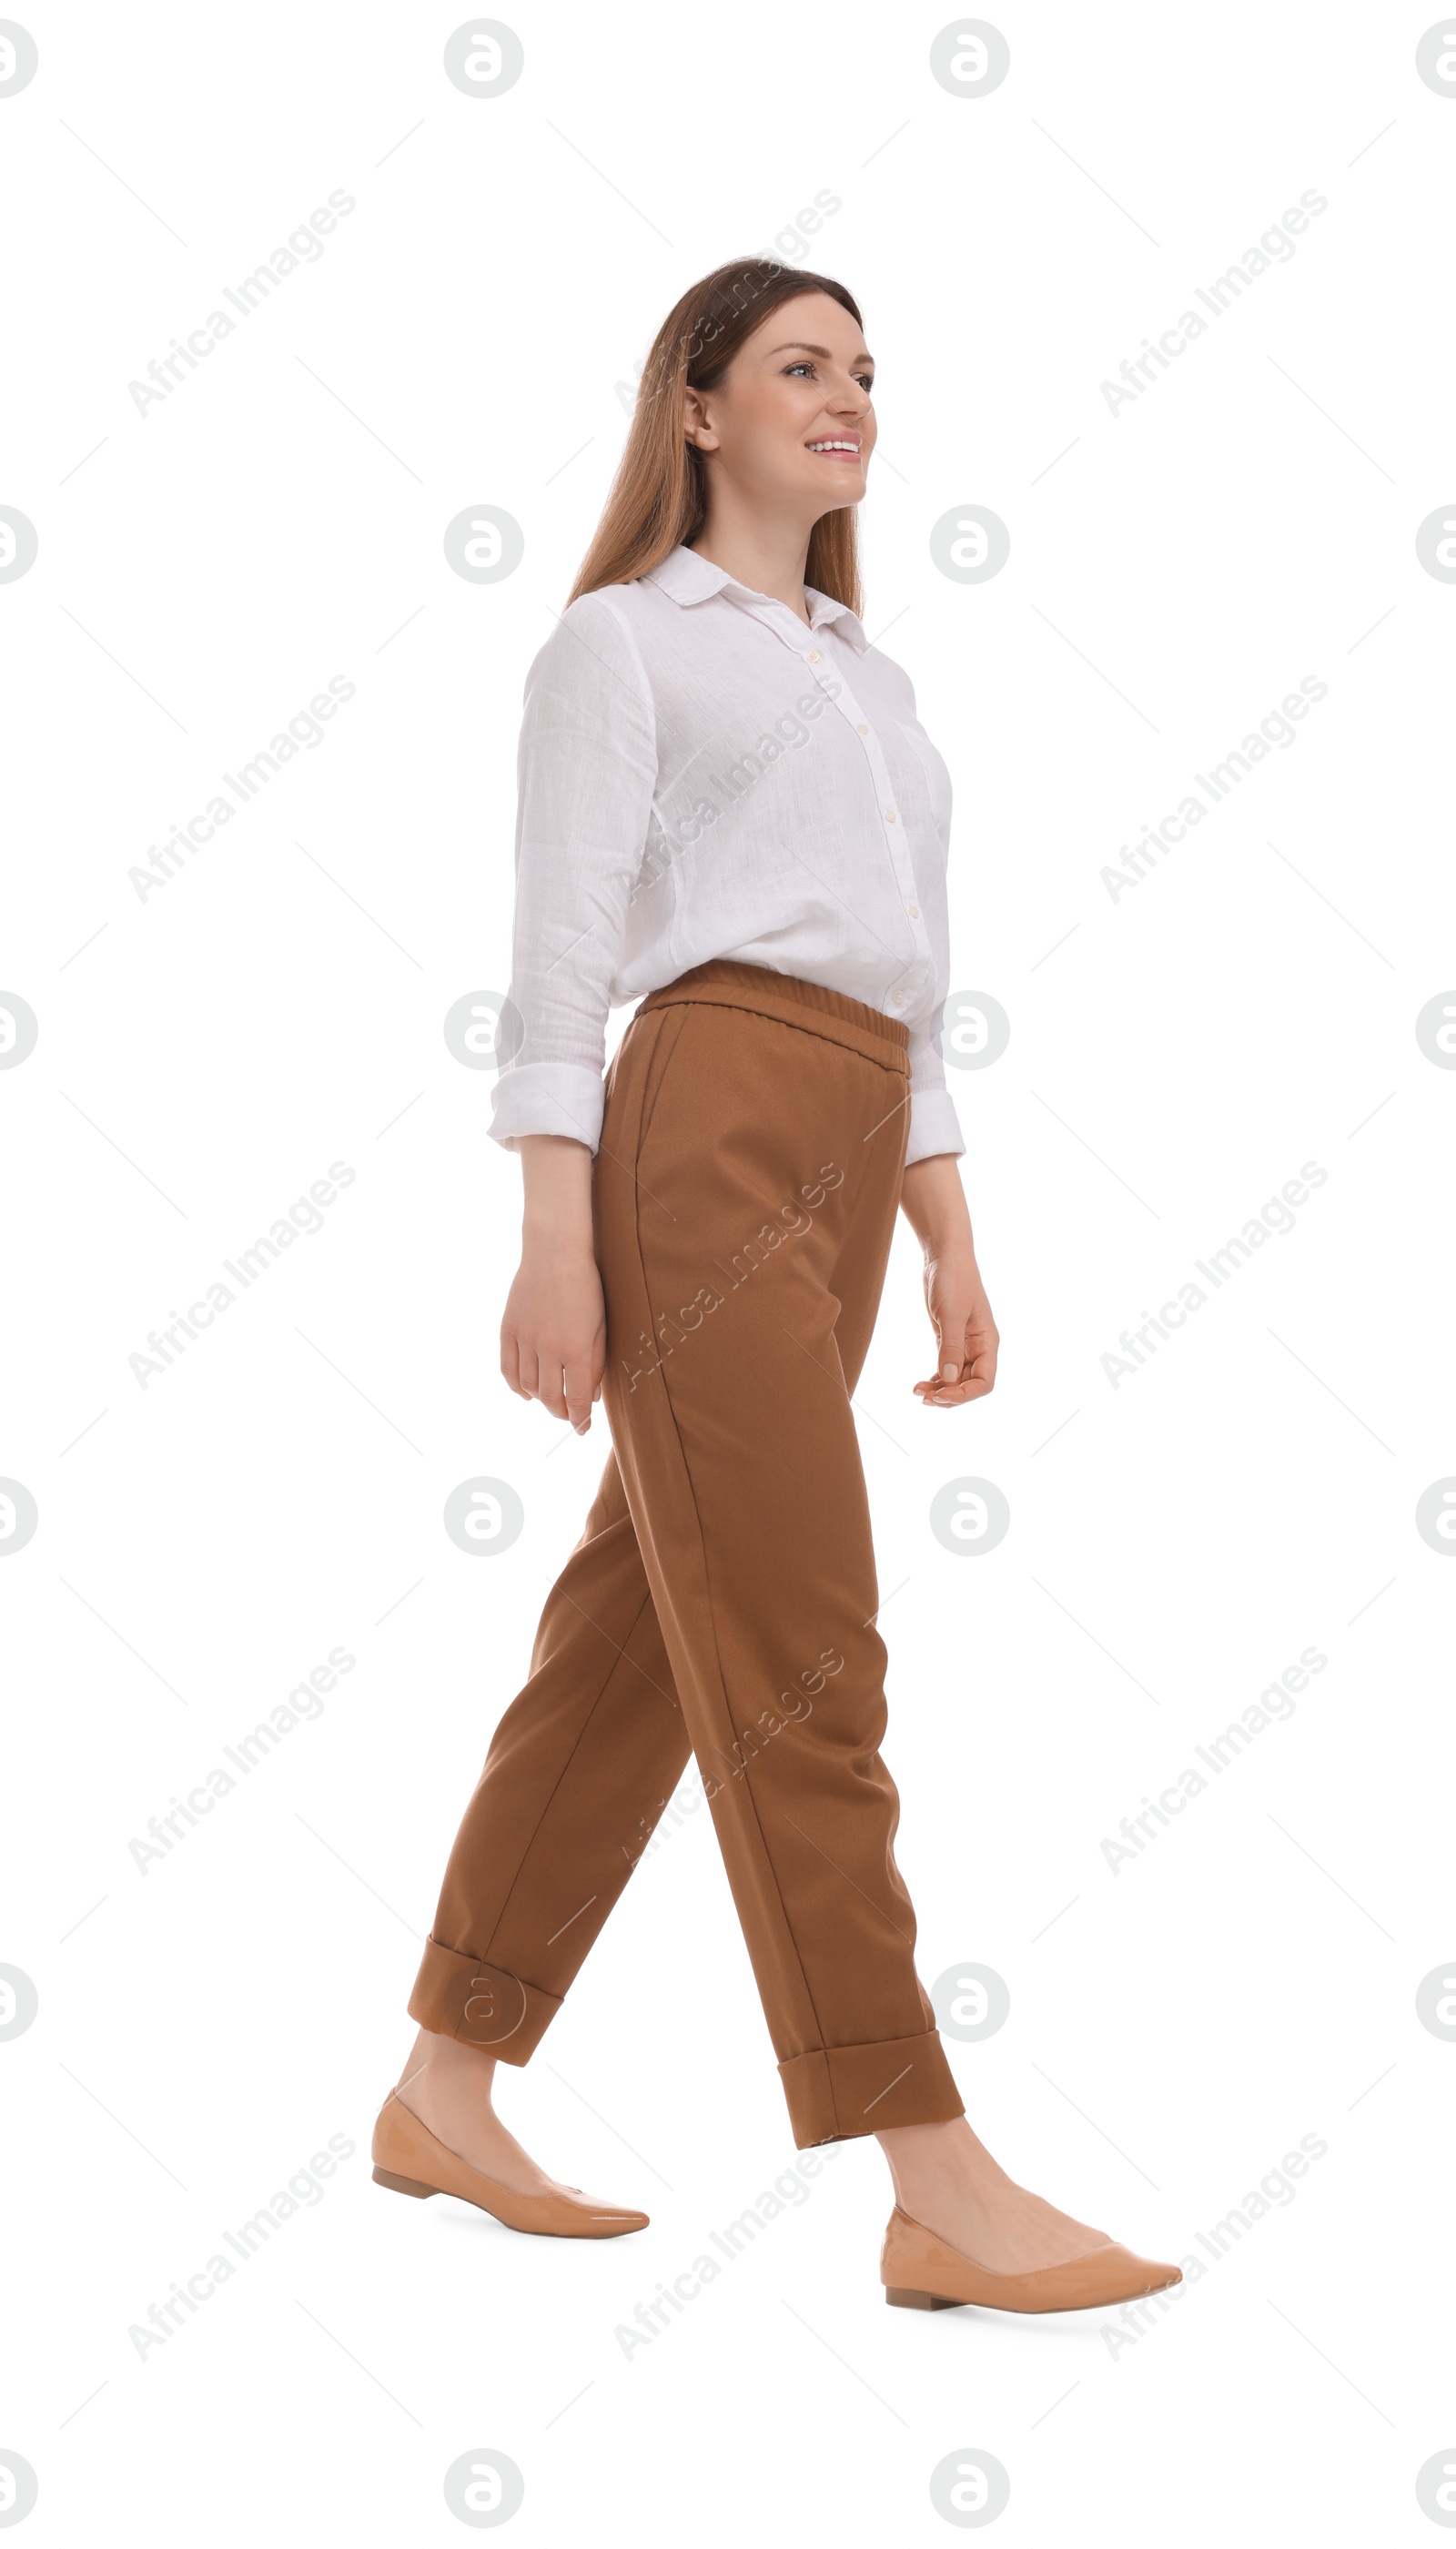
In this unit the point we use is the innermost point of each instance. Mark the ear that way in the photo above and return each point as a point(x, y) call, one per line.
point(695, 421)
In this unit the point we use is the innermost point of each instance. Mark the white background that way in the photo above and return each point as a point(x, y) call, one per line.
point(1176, 1055)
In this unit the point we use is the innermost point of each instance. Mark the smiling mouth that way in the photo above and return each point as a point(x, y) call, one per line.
point(835, 447)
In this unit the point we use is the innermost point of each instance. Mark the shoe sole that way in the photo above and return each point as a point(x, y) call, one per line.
point(900, 2296)
point(403, 2185)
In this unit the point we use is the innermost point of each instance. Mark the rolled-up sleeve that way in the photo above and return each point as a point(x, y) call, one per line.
point(933, 1123)
point(587, 772)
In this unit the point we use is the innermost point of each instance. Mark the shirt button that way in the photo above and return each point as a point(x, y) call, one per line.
point(861, 730)
point(913, 909)
point(813, 658)
point(897, 999)
point(888, 814)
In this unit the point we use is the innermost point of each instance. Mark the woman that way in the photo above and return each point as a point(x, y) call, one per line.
point(727, 804)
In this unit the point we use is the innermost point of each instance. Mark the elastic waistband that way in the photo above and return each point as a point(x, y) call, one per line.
point(726, 983)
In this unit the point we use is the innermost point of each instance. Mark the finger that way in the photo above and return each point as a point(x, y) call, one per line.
point(977, 1344)
point(579, 1394)
point(952, 1329)
point(976, 1379)
point(976, 1383)
point(511, 1361)
point(548, 1385)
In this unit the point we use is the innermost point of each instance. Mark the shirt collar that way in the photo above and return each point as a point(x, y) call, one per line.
point(687, 578)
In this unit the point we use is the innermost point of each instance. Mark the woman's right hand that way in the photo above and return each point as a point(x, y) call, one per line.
point(554, 1335)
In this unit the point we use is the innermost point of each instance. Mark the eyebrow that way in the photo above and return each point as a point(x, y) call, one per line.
point(797, 347)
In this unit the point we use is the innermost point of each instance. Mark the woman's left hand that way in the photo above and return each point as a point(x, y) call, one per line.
point(965, 1330)
point(933, 1202)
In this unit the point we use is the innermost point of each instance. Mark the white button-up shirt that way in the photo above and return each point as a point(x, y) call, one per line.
point(701, 775)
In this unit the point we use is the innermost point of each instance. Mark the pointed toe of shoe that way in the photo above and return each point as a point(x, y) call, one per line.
point(1133, 2275)
point(1161, 2275)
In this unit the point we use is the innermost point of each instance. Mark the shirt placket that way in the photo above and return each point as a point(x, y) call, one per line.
point(909, 977)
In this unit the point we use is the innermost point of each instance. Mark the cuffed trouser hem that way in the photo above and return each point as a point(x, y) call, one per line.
point(850, 2089)
point(479, 2003)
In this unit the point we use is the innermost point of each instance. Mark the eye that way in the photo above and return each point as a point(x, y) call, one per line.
point(803, 365)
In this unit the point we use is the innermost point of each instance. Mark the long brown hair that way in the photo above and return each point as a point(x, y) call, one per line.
point(658, 497)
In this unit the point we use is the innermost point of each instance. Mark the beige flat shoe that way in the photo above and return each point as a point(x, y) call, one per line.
point(408, 2158)
point(923, 2271)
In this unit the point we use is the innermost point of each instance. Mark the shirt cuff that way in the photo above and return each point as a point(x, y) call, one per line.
point(934, 1126)
point(548, 1098)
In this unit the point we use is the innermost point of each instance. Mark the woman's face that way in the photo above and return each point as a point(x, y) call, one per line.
point(791, 426)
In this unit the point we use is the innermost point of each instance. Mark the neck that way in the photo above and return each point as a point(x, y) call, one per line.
point(767, 556)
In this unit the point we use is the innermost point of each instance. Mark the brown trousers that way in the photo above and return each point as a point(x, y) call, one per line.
point(722, 1599)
